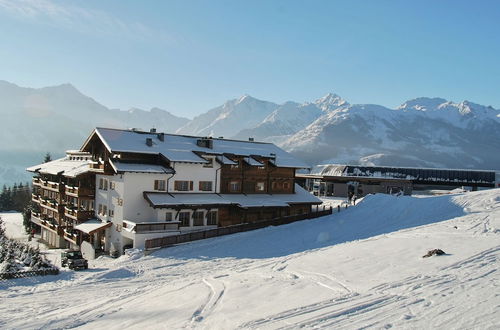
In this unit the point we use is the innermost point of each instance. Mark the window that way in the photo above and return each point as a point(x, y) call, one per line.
point(111, 213)
point(275, 185)
point(168, 216)
point(183, 185)
point(160, 185)
point(103, 184)
point(286, 185)
point(103, 209)
point(211, 218)
point(210, 162)
point(237, 165)
point(184, 219)
point(111, 185)
point(234, 186)
point(260, 186)
point(198, 218)
point(205, 186)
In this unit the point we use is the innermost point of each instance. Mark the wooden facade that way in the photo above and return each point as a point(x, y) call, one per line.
point(62, 203)
point(244, 178)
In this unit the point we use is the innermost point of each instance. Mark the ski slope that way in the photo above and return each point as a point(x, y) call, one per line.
point(360, 268)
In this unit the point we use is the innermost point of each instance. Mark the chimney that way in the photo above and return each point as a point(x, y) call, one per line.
point(161, 136)
point(205, 142)
point(149, 142)
point(152, 130)
point(250, 139)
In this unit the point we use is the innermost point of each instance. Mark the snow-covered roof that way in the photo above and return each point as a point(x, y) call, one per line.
point(166, 199)
point(67, 166)
point(92, 225)
point(226, 161)
point(252, 161)
point(181, 148)
point(405, 173)
point(241, 200)
point(142, 168)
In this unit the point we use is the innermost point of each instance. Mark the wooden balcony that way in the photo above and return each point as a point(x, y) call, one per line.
point(79, 191)
point(35, 198)
point(53, 186)
point(37, 182)
point(51, 224)
point(78, 214)
point(51, 204)
point(72, 236)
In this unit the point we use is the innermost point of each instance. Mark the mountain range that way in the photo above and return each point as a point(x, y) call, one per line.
point(430, 132)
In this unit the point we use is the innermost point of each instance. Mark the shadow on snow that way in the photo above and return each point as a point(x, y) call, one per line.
point(375, 215)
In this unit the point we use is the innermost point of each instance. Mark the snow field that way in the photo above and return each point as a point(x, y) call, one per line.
point(362, 267)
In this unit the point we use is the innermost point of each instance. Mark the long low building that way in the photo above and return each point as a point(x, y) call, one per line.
point(356, 180)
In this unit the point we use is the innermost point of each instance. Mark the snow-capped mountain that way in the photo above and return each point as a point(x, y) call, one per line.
point(287, 119)
point(230, 118)
point(428, 132)
point(53, 119)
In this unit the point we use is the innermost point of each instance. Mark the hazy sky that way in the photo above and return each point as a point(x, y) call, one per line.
point(188, 56)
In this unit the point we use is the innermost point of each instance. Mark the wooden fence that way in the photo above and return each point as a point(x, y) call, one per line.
point(29, 273)
point(166, 241)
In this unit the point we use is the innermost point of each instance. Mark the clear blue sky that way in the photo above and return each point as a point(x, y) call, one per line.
point(188, 56)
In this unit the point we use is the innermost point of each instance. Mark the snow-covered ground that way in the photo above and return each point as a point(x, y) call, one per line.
point(14, 228)
point(362, 267)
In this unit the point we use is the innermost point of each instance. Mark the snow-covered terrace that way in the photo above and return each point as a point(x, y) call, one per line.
point(166, 200)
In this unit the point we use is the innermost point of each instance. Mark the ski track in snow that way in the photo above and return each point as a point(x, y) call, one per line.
point(374, 282)
point(217, 289)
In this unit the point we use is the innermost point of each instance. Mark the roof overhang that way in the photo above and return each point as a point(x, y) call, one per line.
point(92, 226)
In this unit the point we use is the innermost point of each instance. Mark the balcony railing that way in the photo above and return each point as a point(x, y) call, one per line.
point(71, 235)
point(51, 204)
point(150, 227)
point(78, 214)
point(53, 186)
point(35, 198)
point(79, 191)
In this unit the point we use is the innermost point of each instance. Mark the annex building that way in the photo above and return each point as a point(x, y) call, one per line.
point(123, 187)
point(356, 180)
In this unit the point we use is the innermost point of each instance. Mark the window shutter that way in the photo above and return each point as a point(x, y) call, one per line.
point(190, 185)
point(156, 184)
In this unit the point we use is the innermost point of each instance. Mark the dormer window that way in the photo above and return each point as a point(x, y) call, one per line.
point(237, 165)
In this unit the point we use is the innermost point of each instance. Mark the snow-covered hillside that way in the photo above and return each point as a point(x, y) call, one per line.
point(360, 268)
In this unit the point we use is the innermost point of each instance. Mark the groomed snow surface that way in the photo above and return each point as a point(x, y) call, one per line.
point(362, 267)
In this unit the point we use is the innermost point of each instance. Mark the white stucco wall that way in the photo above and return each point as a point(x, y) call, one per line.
point(125, 197)
point(196, 173)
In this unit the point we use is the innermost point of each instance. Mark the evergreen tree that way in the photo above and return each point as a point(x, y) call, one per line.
point(3, 198)
point(47, 158)
point(30, 207)
point(7, 200)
